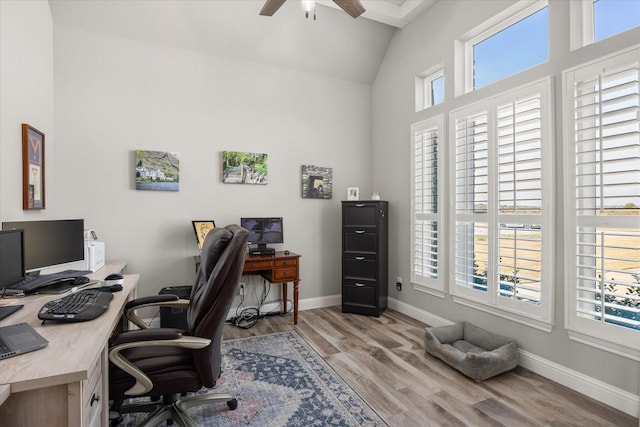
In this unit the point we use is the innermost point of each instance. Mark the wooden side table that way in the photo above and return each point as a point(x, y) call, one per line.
point(283, 267)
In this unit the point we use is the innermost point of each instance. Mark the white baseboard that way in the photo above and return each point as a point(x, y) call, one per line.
point(617, 398)
point(596, 389)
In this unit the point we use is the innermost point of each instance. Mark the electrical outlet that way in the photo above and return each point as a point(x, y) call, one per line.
point(241, 289)
point(399, 283)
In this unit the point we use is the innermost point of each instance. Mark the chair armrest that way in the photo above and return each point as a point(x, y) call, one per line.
point(165, 300)
point(151, 338)
point(150, 300)
point(145, 335)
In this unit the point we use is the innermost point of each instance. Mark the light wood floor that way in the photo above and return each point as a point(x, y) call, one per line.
point(383, 360)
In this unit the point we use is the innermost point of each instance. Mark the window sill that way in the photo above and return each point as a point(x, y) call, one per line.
point(539, 324)
point(427, 290)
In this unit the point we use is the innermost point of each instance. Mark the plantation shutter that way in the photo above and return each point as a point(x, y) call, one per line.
point(426, 204)
point(519, 156)
point(502, 177)
point(471, 200)
point(606, 153)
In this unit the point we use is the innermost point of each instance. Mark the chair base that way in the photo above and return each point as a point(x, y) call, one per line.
point(162, 411)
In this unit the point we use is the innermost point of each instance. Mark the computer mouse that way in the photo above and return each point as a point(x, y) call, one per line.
point(114, 279)
point(80, 280)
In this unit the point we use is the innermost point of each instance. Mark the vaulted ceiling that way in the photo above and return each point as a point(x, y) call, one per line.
point(333, 45)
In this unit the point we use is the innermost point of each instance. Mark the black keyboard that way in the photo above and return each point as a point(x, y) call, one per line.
point(80, 306)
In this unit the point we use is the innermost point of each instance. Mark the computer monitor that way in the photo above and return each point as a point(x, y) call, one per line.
point(11, 257)
point(51, 246)
point(263, 231)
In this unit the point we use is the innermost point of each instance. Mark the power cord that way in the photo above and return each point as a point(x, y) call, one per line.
point(247, 317)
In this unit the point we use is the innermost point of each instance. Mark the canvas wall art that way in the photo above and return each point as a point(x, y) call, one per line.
point(317, 182)
point(244, 168)
point(157, 170)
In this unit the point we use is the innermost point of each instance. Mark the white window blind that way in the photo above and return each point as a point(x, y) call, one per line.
point(519, 140)
point(603, 166)
point(426, 212)
point(503, 177)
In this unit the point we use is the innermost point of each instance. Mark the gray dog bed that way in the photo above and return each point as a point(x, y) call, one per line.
point(477, 353)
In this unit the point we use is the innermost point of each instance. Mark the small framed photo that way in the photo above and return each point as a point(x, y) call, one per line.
point(353, 193)
point(32, 168)
point(201, 228)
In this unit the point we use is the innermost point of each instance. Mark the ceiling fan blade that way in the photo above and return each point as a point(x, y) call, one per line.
point(271, 6)
point(352, 7)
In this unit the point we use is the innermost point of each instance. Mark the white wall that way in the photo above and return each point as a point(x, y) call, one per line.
point(26, 96)
point(424, 43)
point(114, 96)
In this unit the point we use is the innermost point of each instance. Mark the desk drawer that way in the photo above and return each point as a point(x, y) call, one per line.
point(284, 273)
point(92, 397)
point(286, 263)
point(258, 265)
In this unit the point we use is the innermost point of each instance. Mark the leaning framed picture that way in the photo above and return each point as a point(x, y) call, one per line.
point(32, 168)
point(201, 228)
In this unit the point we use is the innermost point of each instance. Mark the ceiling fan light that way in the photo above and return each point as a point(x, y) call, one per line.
point(309, 6)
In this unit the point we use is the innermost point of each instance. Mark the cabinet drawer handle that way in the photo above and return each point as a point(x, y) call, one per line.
point(359, 284)
point(95, 398)
point(360, 258)
point(359, 231)
point(360, 205)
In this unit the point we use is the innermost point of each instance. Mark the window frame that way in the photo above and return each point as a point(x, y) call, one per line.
point(542, 316)
point(582, 31)
point(501, 21)
point(423, 87)
point(421, 283)
point(608, 337)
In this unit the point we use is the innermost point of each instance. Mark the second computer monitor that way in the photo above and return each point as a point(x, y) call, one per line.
point(11, 257)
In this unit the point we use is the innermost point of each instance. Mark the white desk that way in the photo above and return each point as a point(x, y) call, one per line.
point(64, 384)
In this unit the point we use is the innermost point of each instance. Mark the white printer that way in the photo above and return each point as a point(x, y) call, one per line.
point(94, 255)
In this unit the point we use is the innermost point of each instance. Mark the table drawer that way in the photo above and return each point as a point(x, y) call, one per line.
point(254, 265)
point(92, 398)
point(284, 273)
point(286, 263)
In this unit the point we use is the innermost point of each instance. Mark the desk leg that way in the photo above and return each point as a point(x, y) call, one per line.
point(284, 298)
point(295, 302)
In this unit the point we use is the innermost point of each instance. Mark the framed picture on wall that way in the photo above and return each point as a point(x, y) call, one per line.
point(317, 182)
point(32, 168)
point(201, 228)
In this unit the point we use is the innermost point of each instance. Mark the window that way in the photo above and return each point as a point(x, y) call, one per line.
point(595, 20)
point(512, 41)
point(611, 17)
point(430, 88)
point(602, 202)
point(502, 177)
point(426, 209)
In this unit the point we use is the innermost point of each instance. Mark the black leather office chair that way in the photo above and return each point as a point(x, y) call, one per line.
point(165, 363)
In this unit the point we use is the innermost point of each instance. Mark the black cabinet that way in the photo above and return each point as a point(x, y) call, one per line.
point(365, 270)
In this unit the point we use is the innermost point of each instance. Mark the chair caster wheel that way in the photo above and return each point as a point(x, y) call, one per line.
point(232, 404)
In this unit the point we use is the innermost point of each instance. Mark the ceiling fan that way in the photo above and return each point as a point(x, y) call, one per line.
point(352, 7)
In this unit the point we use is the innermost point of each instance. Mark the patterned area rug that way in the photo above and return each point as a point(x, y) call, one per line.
point(279, 380)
